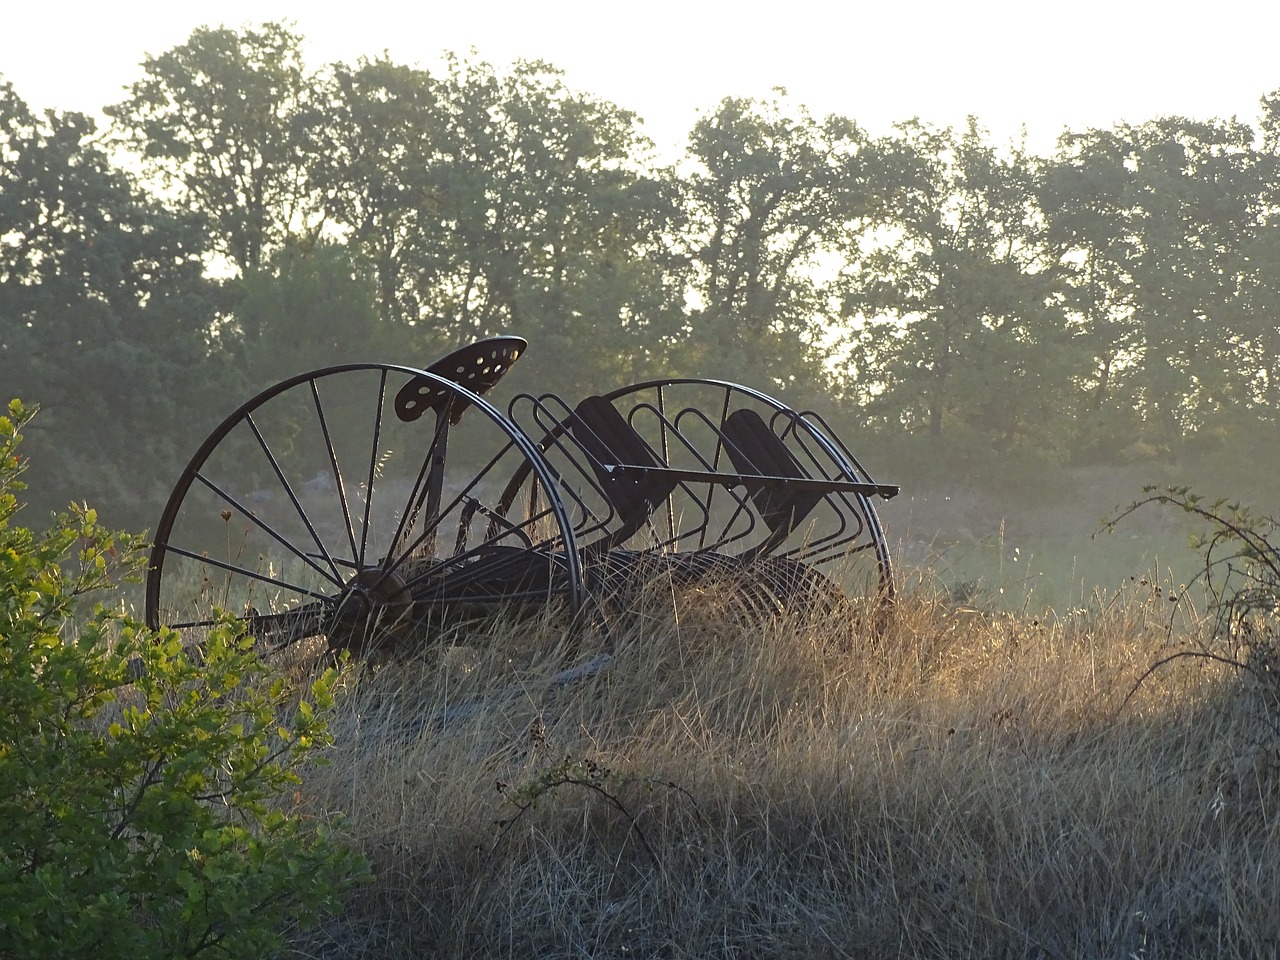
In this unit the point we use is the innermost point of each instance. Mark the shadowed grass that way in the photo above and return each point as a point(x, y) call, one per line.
point(967, 785)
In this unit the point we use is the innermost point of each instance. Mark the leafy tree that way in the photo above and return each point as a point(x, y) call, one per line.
point(1259, 333)
point(226, 124)
point(141, 779)
point(773, 200)
point(956, 307)
point(490, 201)
point(1198, 198)
point(1158, 223)
point(306, 309)
point(544, 224)
point(381, 122)
point(1083, 193)
point(104, 312)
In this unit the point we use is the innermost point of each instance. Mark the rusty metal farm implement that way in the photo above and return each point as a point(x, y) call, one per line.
point(362, 503)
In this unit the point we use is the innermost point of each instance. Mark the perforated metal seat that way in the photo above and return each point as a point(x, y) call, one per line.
point(477, 366)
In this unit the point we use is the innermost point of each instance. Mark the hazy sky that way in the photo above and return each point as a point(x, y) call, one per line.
point(1047, 66)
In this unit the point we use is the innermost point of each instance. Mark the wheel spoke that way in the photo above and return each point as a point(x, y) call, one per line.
point(244, 572)
point(431, 468)
point(373, 469)
point(293, 499)
point(333, 465)
point(284, 541)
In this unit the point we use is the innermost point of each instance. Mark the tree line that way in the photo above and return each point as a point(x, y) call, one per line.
point(244, 216)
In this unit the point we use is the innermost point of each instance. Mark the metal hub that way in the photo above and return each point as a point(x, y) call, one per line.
point(374, 609)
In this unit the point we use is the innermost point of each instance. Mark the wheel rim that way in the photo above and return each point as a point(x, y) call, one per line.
point(328, 505)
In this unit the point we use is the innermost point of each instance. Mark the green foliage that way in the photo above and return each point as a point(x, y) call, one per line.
point(774, 199)
point(143, 780)
point(227, 116)
point(1162, 230)
point(485, 200)
point(105, 313)
point(960, 328)
point(319, 303)
point(1112, 301)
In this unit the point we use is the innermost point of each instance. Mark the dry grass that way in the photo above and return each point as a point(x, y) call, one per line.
point(967, 785)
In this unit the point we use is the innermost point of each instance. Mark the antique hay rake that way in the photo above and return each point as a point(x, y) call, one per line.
point(361, 503)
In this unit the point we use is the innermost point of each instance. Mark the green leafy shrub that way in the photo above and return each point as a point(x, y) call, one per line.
point(147, 785)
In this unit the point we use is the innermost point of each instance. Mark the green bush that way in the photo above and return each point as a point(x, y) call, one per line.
point(147, 784)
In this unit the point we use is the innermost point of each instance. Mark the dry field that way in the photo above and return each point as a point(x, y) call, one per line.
point(968, 785)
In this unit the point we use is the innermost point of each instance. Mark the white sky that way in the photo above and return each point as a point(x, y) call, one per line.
point(1028, 63)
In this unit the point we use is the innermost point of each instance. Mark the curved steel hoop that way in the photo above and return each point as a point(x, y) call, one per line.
point(328, 505)
point(706, 466)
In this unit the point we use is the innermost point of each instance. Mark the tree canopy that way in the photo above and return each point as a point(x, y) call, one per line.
point(105, 310)
point(248, 215)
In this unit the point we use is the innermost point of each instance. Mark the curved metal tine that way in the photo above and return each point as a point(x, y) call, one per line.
point(266, 528)
point(830, 546)
point(866, 513)
point(676, 533)
point(813, 550)
point(833, 438)
point(794, 422)
point(741, 505)
point(667, 428)
point(848, 507)
point(856, 507)
point(830, 549)
point(741, 502)
point(775, 537)
point(293, 499)
point(337, 472)
point(583, 510)
point(638, 514)
point(554, 435)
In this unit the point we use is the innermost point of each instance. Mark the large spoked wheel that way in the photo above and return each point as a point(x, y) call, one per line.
point(357, 503)
point(786, 532)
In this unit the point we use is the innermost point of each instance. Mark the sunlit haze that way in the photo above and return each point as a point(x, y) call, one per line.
point(1045, 67)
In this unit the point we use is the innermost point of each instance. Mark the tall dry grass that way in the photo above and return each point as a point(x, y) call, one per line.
point(966, 785)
